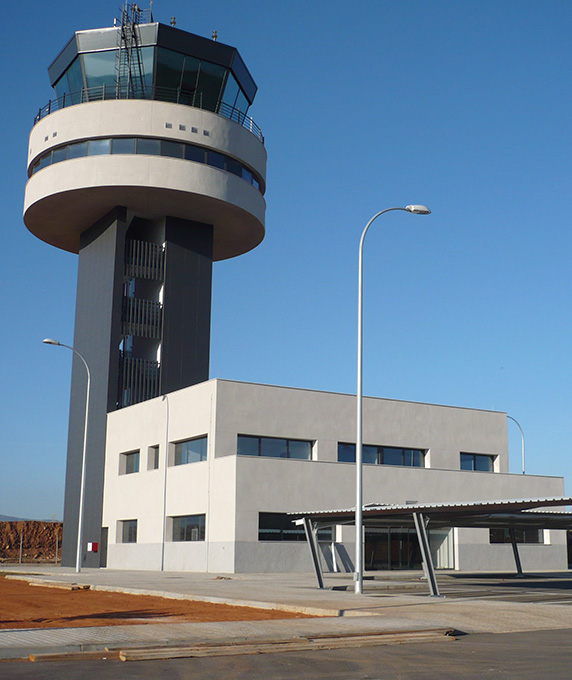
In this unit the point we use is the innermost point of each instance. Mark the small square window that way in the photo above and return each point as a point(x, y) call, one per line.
point(194, 129)
point(169, 125)
point(54, 134)
point(127, 531)
point(129, 463)
point(182, 127)
point(206, 133)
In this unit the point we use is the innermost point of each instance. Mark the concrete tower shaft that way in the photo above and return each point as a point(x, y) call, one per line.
point(148, 166)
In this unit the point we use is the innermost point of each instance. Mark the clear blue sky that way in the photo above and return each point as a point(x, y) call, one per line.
point(463, 106)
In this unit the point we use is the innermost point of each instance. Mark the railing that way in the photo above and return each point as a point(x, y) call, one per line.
point(142, 318)
point(144, 260)
point(165, 94)
point(139, 380)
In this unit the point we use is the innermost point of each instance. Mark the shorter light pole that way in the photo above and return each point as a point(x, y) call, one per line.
point(49, 341)
point(522, 435)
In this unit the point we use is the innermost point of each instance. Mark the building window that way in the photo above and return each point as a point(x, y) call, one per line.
point(273, 447)
point(382, 455)
point(477, 462)
point(191, 451)
point(279, 526)
point(128, 531)
point(153, 458)
point(189, 528)
point(522, 535)
point(147, 146)
point(128, 463)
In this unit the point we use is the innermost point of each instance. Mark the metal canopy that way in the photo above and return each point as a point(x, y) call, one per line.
point(509, 514)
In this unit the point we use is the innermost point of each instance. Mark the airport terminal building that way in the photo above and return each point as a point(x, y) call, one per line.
point(202, 479)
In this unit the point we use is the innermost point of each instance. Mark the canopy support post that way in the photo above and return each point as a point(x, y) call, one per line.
point(512, 534)
point(419, 522)
point(311, 537)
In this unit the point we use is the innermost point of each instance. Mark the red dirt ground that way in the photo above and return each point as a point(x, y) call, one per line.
point(25, 606)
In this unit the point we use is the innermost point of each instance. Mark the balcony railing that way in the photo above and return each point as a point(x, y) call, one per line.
point(144, 260)
point(164, 94)
point(139, 380)
point(142, 318)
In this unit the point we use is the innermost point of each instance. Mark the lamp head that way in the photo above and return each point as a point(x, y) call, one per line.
point(418, 209)
point(49, 341)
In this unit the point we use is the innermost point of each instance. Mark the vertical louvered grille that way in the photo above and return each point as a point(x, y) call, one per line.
point(144, 260)
point(139, 380)
point(142, 318)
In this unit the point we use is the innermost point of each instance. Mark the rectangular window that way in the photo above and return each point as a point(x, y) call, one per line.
point(279, 526)
point(60, 154)
point(128, 528)
point(149, 147)
point(153, 458)
point(274, 447)
point(477, 462)
point(522, 535)
point(189, 528)
point(99, 147)
point(194, 153)
point(382, 455)
point(123, 145)
point(173, 149)
point(215, 159)
point(128, 463)
point(77, 150)
point(191, 451)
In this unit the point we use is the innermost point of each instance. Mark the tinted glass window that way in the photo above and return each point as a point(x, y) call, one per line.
point(169, 70)
point(149, 147)
point(173, 149)
point(77, 150)
point(99, 69)
point(123, 145)
point(247, 446)
point(369, 454)
point(215, 159)
point(392, 456)
point(273, 447)
point(346, 453)
point(129, 531)
point(191, 451)
point(194, 153)
point(466, 461)
point(234, 166)
point(299, 449)
point(189, 528)
point(230, 91)
point(483, 463)
point(209, 86)
point(59, 154)
point(99, 147)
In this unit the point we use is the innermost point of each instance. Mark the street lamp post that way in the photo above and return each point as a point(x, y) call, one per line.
point(49, 341)
point(514, 420)
point(417, 210)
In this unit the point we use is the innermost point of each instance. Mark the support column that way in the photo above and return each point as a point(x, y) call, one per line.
point(97, 336)
point(419, 522)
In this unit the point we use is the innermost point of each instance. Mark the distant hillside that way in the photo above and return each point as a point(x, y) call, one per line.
point(9, 518)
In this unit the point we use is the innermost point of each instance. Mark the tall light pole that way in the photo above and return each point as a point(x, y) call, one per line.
point(49, 341)
point(417, 210)
point(514, 420)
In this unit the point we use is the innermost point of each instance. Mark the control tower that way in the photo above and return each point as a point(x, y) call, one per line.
point(148, 166)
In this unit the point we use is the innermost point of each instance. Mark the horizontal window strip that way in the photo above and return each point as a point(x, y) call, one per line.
point(148, 146)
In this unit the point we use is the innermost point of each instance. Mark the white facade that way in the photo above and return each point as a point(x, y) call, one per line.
point(230, 490)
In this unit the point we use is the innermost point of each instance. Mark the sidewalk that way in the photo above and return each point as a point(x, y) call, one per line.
point(347, 614)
